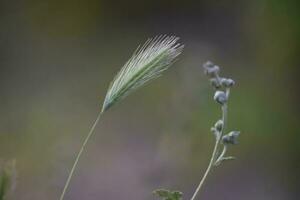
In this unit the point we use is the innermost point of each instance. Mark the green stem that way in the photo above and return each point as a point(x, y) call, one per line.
point(214, 154)
point(79, 155)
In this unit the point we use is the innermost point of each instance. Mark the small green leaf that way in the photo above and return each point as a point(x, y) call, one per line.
point(168, 195)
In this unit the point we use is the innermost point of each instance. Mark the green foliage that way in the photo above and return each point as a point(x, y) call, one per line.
point(168, 195)
point(7, 179)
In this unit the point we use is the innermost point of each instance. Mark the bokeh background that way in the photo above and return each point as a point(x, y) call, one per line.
point(57, 58)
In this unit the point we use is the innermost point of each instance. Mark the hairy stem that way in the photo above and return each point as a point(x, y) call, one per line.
point(79, 155)
point(215, 152)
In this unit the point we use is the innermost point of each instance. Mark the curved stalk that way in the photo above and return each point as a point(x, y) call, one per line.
point(79, 155)
point(215, 151)
point(221, 156)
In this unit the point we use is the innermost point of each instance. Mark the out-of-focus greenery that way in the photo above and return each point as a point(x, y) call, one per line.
point(58, 57)
point(168, 195)
point(7, 179)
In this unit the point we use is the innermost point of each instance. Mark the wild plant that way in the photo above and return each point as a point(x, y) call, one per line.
point(148, 62)
point(222, 88)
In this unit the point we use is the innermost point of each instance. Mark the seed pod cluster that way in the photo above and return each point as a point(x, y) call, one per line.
point(222, 88)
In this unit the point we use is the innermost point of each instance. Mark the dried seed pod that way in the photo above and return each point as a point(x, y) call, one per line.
point(220, 97)
point(227, 82)
point(210, 69)
point(215, 82)
point(231, 138)
point(219, 125)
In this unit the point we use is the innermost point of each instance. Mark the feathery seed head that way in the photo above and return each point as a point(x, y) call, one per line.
point(147, 63)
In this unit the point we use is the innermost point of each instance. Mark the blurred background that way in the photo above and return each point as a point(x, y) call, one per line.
point(58, 57)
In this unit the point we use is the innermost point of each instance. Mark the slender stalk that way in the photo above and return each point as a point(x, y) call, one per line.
point(221, 156)
point(79, 155)
point(207, 170)
point(214, 154)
